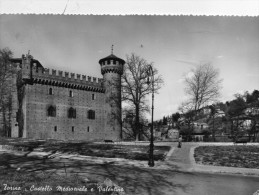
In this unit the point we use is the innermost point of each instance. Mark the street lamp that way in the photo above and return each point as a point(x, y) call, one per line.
point(150, 73)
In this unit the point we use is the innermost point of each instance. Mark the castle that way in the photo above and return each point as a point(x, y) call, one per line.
point(51, 104)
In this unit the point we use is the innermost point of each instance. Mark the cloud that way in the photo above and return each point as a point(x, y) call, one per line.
point(220, 57)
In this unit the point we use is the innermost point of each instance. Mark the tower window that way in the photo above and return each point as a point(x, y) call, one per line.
point(71, 94)
point(51, 111)
point(88, 129)
point(91, 114)
point(93, 96)
point(71, 113)
point(55, 128)
point(73, 129)
point(50, 91)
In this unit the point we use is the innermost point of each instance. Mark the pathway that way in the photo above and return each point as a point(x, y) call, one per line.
point(182, 159)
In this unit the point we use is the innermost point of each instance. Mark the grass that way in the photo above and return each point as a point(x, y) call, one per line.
point(38, 173)
point(132, 152)
point(229, 156)
point(21, 174)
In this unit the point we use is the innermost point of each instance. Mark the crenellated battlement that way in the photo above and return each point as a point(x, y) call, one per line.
point(39, 74)
point(65, 78)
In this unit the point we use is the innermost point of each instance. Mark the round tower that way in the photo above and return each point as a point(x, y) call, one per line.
point(112, 69)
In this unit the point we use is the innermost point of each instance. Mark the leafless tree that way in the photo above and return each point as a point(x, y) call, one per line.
point(135, 87)
point(187, 109)
point(203, 86)
point(6, 72)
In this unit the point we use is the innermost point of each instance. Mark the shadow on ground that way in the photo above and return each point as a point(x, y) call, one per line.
point(132, 179)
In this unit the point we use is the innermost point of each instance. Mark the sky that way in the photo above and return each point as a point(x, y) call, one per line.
point(175, 44)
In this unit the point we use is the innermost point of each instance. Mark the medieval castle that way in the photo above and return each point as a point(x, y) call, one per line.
point(51, 104)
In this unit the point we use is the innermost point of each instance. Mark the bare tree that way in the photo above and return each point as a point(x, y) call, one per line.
point(135, 87)
point(203, 86)
point(129, 124)
point(6, 72)
point(187, 109)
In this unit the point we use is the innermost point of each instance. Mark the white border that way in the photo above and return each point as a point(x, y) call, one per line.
point(128, 7)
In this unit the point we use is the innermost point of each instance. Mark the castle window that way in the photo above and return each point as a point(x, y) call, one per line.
point(71, 113)
point(50, 91)
point(109, 61)
point(52, 111)
point(91, 114)
point(93, 96)
point(71, 94)
point(55, 128)
point(73, 129)
point(88, 129)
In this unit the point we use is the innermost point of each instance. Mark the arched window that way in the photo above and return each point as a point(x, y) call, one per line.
point(50, 91)
point(71, 113)
point(52, 111)
point(91, 114)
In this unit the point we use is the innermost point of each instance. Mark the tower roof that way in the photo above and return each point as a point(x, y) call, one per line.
point(111, 57)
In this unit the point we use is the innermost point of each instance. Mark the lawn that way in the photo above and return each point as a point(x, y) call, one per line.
point(42, 174)
point(230, 156)
point(133, 152)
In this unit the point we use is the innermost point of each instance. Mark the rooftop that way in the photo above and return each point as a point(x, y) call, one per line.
point(111, 57)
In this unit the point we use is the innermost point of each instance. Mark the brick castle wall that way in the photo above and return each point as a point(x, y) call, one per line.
point(31, 100)
point(41, 126)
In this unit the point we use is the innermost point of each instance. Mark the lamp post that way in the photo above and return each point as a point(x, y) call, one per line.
point(150, 74)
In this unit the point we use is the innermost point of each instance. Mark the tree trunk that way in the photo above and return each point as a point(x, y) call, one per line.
point(137, 123)
point(213, 130)
point(4, 123)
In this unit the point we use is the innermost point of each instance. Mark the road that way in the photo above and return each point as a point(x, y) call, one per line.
point(169, 182)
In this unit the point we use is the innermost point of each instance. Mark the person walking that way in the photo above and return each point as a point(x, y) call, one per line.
point(180, 141)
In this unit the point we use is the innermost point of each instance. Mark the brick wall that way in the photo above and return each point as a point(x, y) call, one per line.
point(41, 126)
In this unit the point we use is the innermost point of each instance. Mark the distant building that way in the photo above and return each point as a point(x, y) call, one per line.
point(219, 113)
point(173, 134)
point(252, 111)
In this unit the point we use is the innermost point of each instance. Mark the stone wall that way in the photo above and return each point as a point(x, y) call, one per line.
point(31, 100)
point(41, 126)
point(9, 107)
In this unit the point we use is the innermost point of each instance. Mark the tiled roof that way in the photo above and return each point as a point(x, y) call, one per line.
point(111, 57)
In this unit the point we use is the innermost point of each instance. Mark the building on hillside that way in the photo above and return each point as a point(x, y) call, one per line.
point(252, 111)
point(246, 124)
point(173, 134)
point(204, 111)
point(51, 104)
point(219, 113)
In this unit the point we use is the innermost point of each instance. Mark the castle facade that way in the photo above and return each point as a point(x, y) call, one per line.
point(51, 104)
